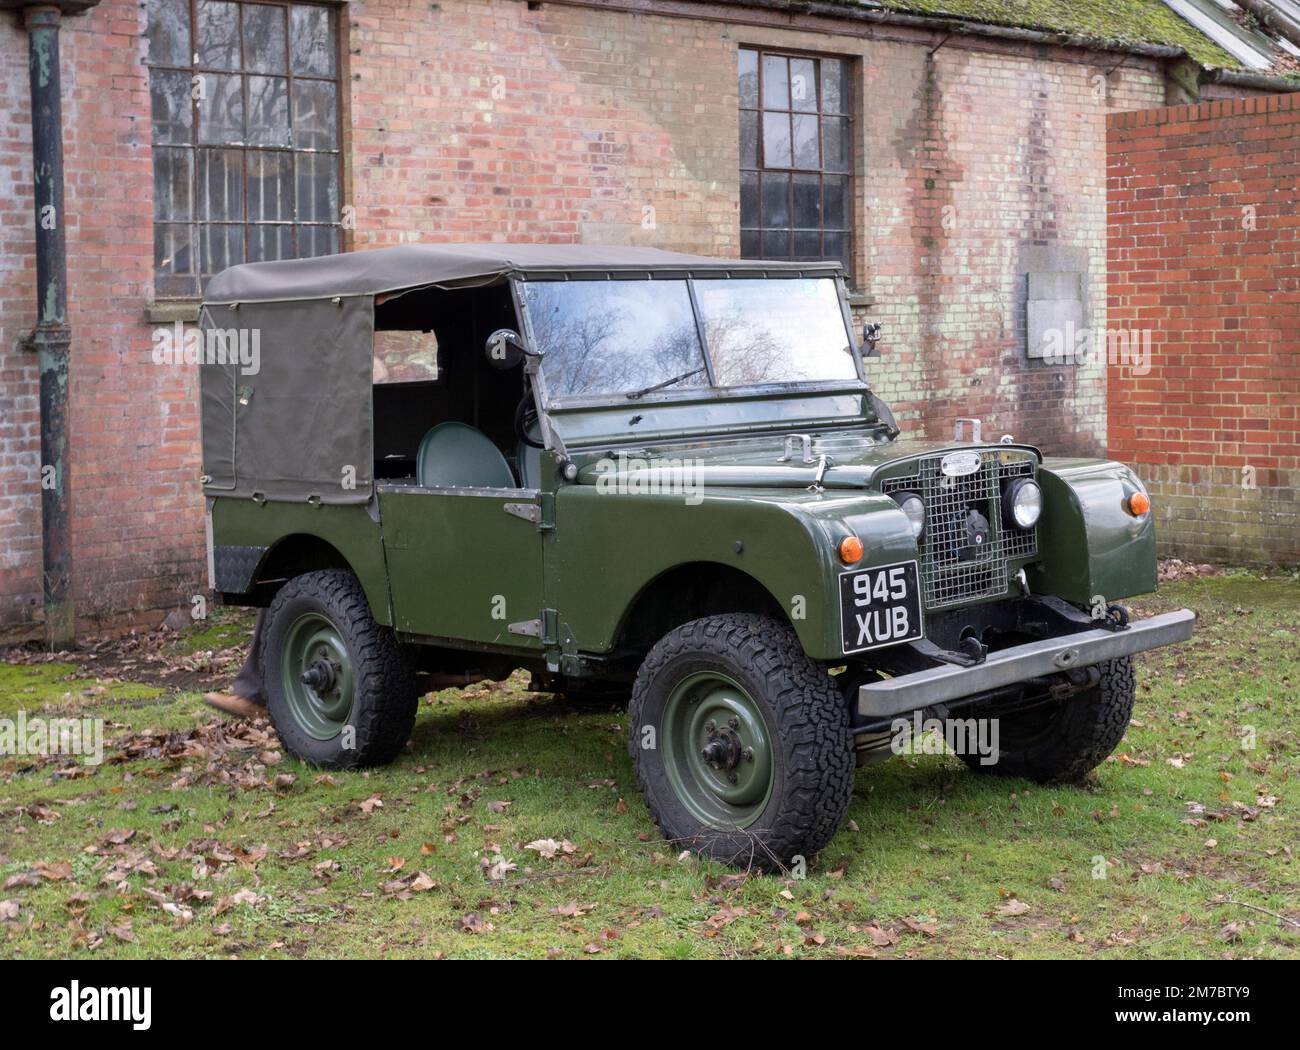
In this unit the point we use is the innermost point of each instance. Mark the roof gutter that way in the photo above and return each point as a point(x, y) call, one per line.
point(1254, 81)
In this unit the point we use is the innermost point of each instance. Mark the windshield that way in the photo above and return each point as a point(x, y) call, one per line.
point(633, 338)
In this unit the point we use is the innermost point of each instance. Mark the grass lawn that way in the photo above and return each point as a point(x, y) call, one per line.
point(198, 839)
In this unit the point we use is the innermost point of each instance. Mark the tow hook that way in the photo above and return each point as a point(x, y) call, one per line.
point(1077, 680)
point(1116, 618)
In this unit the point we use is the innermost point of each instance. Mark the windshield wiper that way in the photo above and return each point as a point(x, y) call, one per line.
point(666, 383)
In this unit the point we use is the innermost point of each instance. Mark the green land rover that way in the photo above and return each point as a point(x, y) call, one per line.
point(623, 468)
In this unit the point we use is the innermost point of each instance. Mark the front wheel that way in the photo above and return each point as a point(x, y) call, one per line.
point(1061, 741)
point(339, 692)
point(741, 743)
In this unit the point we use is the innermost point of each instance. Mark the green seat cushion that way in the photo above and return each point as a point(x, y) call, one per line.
point(455, 455)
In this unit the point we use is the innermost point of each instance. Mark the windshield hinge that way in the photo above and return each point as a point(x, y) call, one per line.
point(803, 439)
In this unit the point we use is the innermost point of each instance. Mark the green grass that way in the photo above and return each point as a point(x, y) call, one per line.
point(937, 862)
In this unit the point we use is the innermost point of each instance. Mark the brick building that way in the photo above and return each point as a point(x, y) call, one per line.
point(953, 154)
point(1205, 252)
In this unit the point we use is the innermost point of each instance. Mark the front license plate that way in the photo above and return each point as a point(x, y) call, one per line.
point(880, 606)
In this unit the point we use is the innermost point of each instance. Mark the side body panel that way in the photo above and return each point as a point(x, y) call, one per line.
point(609, 547)
point(461, 567)
point(350, 530)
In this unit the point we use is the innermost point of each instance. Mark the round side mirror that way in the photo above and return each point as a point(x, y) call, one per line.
point(504, 349)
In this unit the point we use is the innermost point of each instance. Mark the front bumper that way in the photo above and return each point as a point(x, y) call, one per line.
point(938, 685)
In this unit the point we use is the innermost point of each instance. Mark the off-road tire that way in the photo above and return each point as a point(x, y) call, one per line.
point(808, 724)
point(1083, 730)
point(385, 694)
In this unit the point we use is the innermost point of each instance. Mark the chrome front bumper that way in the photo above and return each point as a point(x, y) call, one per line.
point(938, 685)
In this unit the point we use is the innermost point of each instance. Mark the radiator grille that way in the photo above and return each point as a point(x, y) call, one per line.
point(955, 568)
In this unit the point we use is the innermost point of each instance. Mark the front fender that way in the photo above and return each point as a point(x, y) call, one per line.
point(606, 549)
point(1089, 544)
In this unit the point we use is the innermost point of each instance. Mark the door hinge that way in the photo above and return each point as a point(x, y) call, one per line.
point(528, 511)
point(530, 628)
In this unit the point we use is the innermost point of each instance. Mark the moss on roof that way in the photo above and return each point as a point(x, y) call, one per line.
point(1128, 22)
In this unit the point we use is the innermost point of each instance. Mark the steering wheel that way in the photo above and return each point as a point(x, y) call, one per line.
point(526, 420)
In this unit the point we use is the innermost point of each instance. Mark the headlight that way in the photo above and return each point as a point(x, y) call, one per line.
point(912, 506)
point(1022, 503)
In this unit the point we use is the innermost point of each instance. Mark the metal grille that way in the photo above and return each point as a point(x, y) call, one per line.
point(954, 567)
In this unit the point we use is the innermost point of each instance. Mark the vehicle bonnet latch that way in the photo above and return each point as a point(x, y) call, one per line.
point(803, 439)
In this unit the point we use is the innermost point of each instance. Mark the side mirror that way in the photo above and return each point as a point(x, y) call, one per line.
point(871, 333)
point(505, 349)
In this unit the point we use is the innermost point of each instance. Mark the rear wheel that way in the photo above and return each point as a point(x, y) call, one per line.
point(741, 743)
point(1061, 741)
point(338, 690)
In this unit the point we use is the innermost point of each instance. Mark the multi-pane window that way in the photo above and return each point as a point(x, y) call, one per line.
point(246, 154)
point(795, 154)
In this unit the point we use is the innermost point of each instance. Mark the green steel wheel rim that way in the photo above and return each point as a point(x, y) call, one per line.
point(717, 750)
point(317, 675)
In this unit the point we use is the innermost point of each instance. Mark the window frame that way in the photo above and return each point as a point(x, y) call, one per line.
point(847, 113)
point(194, 147)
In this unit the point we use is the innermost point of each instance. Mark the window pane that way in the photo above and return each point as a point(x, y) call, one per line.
point(835, 143)
point(173, 253)
point(776, 82)
point(173, 110)
point(835, 95)
point(749, 79)
point(221, 185)
point(614, 336)
point(172, 182)
point(270, 187)
point(835, 202)
point(805, 142)
point(748, 139)
point(757, 336)
point(264, 43)
point(776, 200)
point(268, 111)
point(268, 243)
point(317, 240)
point(807, 244)
point(750, 244)
point(776, 244)
point(221, 246)
point(836, 246)
point(776, 140)
point(315, 117)
point(317, 187)
point(168, 34)
point(748, 200)
point(803, 84)
point(218, 35)
point(221, 109)
point(807, 202)
point(312, 40)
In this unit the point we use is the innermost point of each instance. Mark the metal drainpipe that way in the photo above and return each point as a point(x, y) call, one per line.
point(51, 337)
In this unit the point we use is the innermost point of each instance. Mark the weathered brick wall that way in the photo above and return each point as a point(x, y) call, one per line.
point(483, 119)
point(137, 514)
point(1205, 253)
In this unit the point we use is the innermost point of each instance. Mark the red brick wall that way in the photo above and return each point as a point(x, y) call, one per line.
point(483, 119)
point(137, 514)
point(1204, 250)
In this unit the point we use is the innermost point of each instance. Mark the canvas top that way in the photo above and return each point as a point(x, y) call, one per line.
point(381, 270)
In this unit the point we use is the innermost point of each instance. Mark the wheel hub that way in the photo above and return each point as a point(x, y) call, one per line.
point(317, 676)
point(718, 752)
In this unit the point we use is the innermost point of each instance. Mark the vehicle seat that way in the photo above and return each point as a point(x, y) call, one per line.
point(455, 455)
